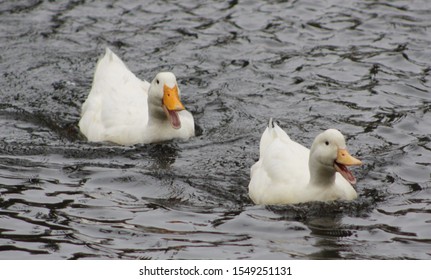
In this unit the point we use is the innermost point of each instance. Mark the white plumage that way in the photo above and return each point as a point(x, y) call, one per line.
point(289, 173)
point(125, 110)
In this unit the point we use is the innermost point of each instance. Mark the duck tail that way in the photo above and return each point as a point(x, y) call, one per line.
point(272, 127)
point(268, 136)
point(109, 54)
point(274, 131)
point(271, 123)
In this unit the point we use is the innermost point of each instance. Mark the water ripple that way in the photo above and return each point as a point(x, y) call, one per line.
point(362, 67)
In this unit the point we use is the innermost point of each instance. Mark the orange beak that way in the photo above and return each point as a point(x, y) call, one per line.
point(171, 99)
point(345, 158)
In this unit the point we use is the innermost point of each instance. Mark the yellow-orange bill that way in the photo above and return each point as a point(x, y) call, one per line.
point(171, 99)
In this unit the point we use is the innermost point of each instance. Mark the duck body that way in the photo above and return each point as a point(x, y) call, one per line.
point(125, 110)
point(287, 173)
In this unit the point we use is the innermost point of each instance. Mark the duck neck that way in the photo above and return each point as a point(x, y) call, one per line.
point(321, 175)
point(156, 114)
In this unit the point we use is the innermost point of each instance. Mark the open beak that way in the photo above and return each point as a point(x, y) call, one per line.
point(343, 160)
point(172, 104)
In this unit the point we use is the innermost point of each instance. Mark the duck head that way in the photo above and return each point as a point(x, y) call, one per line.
point(328, 155)
point(164, 98)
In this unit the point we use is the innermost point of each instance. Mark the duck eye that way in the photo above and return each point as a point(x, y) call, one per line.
point(157, 81)
point(326, 143)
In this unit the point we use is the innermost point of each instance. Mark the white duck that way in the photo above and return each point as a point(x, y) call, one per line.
point(125, 110)
point(289, 173)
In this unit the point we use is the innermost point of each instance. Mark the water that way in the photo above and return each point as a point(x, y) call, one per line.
point(360, 66)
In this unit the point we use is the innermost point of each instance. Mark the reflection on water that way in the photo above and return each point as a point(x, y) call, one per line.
point(359, 66)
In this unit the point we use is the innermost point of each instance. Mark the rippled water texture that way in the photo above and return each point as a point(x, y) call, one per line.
point(360, 66)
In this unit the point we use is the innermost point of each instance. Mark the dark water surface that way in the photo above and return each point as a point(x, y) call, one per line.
point(360, 66)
